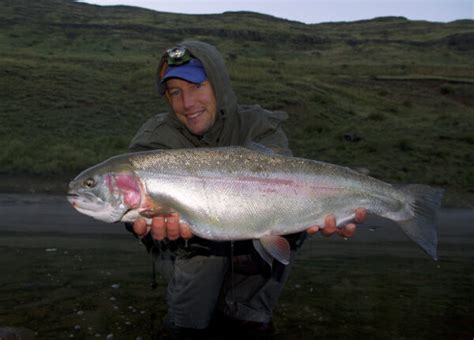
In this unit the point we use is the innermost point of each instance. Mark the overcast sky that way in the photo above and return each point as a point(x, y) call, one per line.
point(316, 11)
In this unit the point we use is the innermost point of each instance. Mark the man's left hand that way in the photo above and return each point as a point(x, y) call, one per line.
point(330, 225)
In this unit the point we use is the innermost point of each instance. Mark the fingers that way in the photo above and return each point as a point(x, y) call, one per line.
point(347, 231)
point(330, 225)
point(172, 227)
point(360, 214)
point(185, 231)
point(158, 228)
point(313, 229)
point(140, 228)
point(169, 227)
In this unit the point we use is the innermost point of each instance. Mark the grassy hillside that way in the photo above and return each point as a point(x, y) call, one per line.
point(389, 94)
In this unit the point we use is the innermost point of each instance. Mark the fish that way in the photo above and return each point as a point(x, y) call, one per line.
point(239, 193)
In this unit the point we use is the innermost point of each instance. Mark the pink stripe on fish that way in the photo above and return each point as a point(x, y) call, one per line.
point(277, 182)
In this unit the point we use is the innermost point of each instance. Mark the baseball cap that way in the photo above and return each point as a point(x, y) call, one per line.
point(192, 71)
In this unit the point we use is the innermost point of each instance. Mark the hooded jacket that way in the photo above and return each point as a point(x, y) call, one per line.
point(235, 125)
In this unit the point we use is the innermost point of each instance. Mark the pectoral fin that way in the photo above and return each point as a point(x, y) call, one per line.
point(150, 208)
point(273, 247)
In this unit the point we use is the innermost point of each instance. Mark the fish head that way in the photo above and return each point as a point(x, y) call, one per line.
point(106, 191)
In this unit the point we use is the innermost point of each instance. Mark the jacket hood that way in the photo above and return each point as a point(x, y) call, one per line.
point(218, 76)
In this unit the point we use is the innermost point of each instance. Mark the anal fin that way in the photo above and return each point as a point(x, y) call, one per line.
point(273, 247)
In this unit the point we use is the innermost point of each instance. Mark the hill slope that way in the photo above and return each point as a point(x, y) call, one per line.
point(389, 94)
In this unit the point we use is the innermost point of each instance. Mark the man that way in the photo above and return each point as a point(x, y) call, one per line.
point(213, 283)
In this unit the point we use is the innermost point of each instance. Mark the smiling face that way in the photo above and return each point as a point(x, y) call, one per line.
point(194, 104)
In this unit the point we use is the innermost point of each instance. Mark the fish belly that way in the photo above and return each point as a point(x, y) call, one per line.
point(248, 205)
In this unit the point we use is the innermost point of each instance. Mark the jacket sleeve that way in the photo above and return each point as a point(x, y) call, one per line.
point(152, 135)
point(265, 127)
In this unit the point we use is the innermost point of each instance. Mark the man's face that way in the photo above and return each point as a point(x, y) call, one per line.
point(194, 104)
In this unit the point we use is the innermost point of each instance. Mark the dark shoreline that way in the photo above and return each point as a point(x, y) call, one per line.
point(52, 213)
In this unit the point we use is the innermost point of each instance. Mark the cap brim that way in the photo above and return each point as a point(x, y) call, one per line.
point(189, 75)
point(193, 72)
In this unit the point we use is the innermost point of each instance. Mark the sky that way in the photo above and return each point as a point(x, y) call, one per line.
point(316, 11)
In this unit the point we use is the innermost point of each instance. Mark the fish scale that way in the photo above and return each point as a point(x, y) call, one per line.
point(236, 193)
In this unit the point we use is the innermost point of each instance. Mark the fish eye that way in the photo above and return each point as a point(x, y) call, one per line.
point(90, 183)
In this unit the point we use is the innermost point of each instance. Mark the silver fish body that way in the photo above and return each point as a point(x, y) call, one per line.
point(236, 193)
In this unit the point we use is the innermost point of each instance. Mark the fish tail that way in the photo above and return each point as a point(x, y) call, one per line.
point(422, 228)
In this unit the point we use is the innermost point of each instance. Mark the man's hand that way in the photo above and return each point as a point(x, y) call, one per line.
point(330, 225)
point(163, 226)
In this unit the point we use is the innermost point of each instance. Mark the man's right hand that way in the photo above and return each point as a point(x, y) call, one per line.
point(163, 226)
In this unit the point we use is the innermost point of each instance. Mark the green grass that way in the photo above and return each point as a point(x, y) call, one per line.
point(77, 81)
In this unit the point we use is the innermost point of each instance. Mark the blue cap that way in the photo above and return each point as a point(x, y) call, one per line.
point(193, 72)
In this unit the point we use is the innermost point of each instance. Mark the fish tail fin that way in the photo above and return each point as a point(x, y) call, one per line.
point(422, 228)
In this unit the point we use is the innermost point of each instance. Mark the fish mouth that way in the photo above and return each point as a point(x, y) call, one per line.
point(97, 209)
point(84, 202)
point(72, 197)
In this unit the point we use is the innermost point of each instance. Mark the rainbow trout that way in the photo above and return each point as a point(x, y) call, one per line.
point(235, 193)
